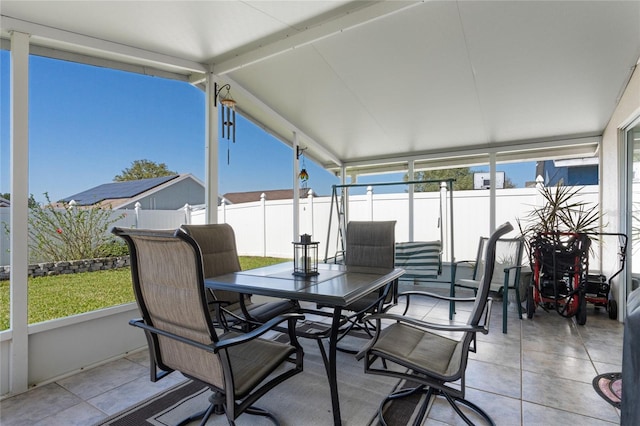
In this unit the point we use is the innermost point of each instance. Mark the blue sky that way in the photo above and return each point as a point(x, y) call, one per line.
point(87, 124)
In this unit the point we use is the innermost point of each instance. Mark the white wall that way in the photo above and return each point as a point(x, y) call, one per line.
point(613, 171)
point(63, 346)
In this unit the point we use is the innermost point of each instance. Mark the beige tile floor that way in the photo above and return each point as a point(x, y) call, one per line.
point(540, 373)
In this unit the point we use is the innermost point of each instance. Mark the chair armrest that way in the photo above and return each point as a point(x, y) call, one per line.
point(513, 267)
point(458, 262)
point(139, 322)
point(427, 325)
point(484, 328)
point(225, 343)
point(222, 313)
point(436, 296)
point(454, 270)
point(259, 331)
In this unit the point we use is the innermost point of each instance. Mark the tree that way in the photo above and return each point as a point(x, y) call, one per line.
point(463, 179)
point(31, 202)
point(143, 169)
point(462, 175)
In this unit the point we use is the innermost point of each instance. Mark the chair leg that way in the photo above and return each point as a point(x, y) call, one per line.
point(216, 406)
point(452, 401)
point(430, 393)
point(207, 414)
point(196, 416)
point(505, 306)
point(518, 303)
point(256, 411)
point(403, 393)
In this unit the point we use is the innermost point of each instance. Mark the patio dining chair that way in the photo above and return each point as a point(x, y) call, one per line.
point(168, 281)
point(509, 257)
point(421, 354)
point(217, 243)
point(369, 244)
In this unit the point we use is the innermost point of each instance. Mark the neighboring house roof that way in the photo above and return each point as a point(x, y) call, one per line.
point(123, 194)
point(4, 202)
point(274, 194)
point(117, 190)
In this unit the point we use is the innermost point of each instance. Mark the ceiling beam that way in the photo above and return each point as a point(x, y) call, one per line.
point(40, 33)
point(290, 41)
point(308, 141)
point(579, 146)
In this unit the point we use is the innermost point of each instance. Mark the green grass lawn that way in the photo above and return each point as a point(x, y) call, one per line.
point(60, 296)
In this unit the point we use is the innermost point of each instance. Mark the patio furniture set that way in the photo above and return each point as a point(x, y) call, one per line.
point(199, 319)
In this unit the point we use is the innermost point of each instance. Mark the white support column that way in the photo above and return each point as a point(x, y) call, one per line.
point(211, 153)
point(445, 222)
point(296, 189)
point(370, 201)
point(411, 176)
point(263, 224)
point(492, 193)
point(19, 123)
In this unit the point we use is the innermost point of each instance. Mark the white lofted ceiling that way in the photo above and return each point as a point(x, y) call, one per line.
point(372, 82)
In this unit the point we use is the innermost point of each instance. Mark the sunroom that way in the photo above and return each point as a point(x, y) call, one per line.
point(361, 88)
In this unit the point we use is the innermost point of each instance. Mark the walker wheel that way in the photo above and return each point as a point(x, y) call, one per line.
point(531, 304)
point(612, 307)
point(581, 314)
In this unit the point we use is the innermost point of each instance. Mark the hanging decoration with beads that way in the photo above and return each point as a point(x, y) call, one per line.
point(303, 175)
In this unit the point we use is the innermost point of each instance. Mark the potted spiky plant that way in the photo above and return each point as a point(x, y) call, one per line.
point(562, 211)
point(558, 237)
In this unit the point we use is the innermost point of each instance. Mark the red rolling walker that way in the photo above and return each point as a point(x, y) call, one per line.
point(560, 263)
point(597, 290)
point(561, 279)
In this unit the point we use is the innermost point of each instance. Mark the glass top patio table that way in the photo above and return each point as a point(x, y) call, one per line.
point(335, 286)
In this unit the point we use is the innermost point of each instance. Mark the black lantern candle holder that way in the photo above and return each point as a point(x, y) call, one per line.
point(305, 257)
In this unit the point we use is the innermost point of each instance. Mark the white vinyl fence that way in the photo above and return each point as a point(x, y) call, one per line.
point(265, 228)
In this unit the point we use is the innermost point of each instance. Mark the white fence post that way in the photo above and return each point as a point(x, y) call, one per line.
point(187, 213)
point(224, 210)
point(310, 202)
point(263, 204)
point(137, 207)
point(370, 201)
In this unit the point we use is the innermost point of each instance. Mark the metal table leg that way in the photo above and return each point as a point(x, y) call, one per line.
point(333, 381)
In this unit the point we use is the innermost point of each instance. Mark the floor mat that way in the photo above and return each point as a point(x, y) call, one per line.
point(609, 387)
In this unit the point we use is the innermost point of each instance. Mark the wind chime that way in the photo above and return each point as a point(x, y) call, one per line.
point(227, 113)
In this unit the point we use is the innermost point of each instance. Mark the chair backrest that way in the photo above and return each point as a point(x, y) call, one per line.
point(370, 244)
point(168, 282)
point(488, 262)
point(509, 252)
point(219, 253)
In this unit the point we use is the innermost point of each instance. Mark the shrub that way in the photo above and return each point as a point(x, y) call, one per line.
point(70, 232)
point(113, 248)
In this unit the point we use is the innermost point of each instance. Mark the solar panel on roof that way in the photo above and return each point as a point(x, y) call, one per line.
point(115, 190)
